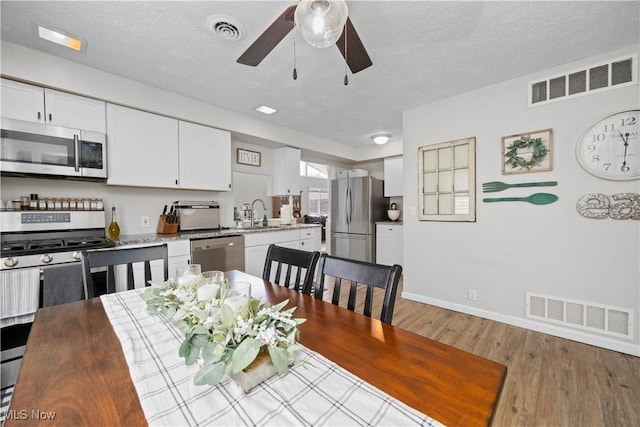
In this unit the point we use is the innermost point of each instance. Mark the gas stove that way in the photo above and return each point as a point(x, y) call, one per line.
point(42, 238)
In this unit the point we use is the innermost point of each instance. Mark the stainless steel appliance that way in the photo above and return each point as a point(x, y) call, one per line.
point(218, 253)
point(41, 149)
point(356, 204)
point(197, 215)
point(33, 241)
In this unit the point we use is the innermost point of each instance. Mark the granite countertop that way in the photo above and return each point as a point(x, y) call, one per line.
point(389, 222)
point(135, 239)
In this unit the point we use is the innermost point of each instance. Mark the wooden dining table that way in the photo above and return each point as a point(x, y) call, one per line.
point(74, 368)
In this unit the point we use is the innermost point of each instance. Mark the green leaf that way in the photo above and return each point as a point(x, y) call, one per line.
point(192, 356)
point(185, 347)
point(279, 306)
point(280, 359)
point(210, 374)
point(227, 316)
point(200, 340)
point(245, 353)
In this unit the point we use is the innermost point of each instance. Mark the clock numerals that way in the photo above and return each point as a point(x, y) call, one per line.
point(610, 149)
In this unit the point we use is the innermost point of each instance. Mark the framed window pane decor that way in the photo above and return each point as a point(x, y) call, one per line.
point(447, 175)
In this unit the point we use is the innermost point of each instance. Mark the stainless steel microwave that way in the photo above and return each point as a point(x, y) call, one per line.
point(42, 149)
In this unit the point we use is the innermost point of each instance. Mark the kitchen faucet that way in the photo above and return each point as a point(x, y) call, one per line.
point(251, 211)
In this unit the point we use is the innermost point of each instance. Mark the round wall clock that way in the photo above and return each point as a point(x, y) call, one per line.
point(610, 149)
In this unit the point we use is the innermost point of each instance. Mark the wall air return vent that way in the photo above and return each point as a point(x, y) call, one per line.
point(615, 73)
point(608, 320)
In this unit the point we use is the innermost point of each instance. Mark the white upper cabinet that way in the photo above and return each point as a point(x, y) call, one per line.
point(286, 172)
point(143, 148)
point(35, 104)
point(22, 101)
point(65, 109)
point(393, 180)
point(205, 157)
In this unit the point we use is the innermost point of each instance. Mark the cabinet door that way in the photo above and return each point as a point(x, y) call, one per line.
point(393, 176)
point(205, 157)
point(143, 148)
point(310, 239)
point(79, 112)
point(22, 101)
point(389, 244)
point(286, 172)
point(254, 258)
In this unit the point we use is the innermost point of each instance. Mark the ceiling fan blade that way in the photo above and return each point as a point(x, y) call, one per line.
point(358, 58)
point(269, 38)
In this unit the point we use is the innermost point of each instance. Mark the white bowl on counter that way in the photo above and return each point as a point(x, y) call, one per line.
point(393, 215)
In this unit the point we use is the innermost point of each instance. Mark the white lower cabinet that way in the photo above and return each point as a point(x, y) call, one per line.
point(179, 256)
point(389, 244)
point(257, 244)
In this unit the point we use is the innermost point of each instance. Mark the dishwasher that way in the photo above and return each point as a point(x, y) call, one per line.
point(218, 253)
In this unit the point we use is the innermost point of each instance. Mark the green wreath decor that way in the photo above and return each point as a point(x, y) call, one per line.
point(540, 151)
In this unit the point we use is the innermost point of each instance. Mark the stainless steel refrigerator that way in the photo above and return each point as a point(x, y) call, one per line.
point(356, 204)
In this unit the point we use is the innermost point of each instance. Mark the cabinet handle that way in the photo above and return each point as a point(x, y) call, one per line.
point(176, 182)
point(39, 115)
point(50, 117)
point(229, 185)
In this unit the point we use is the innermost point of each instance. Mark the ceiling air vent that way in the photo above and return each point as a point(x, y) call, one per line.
point(604, 319)
point(226, 28)
point(615, 73)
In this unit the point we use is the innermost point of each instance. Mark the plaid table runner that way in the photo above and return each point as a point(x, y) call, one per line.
point(316, 393)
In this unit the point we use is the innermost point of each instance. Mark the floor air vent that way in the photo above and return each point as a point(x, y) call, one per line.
point(615, 73)
point(608, 320)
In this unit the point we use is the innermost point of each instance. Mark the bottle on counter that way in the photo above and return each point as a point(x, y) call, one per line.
point(114, 228)
point(265, 221)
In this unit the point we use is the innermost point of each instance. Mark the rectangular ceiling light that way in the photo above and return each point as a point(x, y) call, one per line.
point(62, 39)
point(266, 110)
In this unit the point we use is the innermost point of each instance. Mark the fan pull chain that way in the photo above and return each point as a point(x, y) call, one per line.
point(295, 71)
point(346, 79)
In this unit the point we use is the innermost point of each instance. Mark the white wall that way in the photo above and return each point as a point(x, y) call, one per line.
point(518, 247)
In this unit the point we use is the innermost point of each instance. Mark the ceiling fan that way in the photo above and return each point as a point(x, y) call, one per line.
point(351, 49)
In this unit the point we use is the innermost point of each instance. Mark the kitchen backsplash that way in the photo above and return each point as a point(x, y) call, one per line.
point(131, 203)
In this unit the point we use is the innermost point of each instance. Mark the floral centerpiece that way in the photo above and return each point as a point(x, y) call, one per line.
point(225, 331)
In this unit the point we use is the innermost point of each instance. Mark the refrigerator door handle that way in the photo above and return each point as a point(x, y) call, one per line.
point(346, 205)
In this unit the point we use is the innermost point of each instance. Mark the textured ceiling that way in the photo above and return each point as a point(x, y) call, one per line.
point(421, 51)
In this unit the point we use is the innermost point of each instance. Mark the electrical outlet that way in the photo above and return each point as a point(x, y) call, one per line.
point(144, 221)
point(473, 295)
point(413, 210)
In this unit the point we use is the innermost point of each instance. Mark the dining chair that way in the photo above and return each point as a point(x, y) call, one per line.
point(291, 258)
point(364, 273)
point(128, 256)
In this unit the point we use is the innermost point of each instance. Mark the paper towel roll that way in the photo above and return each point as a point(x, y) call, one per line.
point(286, 212)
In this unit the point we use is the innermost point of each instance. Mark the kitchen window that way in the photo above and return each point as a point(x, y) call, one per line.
point(318, 201)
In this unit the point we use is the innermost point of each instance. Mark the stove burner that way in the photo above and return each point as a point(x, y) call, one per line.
point(45, 244)
point(15, 246)
point(86, 241)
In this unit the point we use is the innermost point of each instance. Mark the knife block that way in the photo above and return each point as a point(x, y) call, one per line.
point(164, 228)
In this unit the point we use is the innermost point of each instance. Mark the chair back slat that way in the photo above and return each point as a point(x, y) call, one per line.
point(112, 257)
point(359, 272)
point(291, 258)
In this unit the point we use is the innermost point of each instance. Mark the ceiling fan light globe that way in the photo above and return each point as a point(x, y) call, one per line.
point(321, 21)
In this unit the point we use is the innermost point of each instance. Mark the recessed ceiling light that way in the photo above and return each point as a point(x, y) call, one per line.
point(381, 138)
point(58, 37)
point(266, 110)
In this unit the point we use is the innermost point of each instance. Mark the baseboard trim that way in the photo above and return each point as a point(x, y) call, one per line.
point(574, 335)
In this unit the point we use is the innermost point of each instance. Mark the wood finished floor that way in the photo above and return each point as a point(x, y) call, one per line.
point(550, 381)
